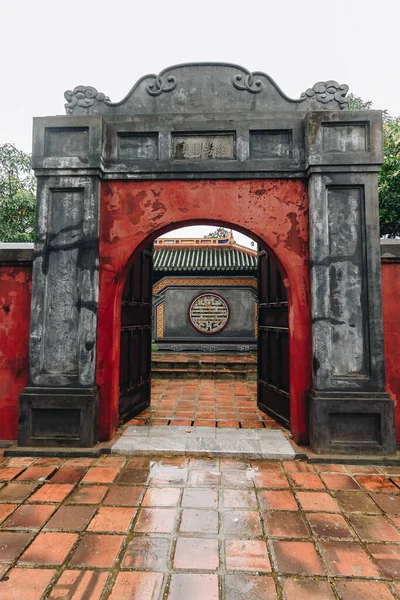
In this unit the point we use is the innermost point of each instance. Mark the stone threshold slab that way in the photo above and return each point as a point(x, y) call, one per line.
point(205, 441)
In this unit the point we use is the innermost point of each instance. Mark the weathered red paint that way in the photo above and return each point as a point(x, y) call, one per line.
point(274, 212)
point(391, 328)
point(15, 309)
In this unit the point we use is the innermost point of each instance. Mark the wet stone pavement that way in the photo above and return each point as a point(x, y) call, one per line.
point(202, 529)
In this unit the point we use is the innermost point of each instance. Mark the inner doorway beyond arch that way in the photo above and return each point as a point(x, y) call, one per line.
point(134, 213)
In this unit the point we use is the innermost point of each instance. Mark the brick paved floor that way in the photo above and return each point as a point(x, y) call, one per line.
point(201, 529)
point(202, 402)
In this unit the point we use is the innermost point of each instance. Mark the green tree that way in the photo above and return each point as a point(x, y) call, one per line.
point(17, 195)
point(389, 176)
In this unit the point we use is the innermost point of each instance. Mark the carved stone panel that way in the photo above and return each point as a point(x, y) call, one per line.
point(271, 144)
point(347, 277)
point(345, 137)
point(209, 313)
point(138, 146)
point(62, 290)
point(66, 141)
point(203, 147)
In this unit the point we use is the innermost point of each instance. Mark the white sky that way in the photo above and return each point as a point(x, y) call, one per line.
point(49, 46)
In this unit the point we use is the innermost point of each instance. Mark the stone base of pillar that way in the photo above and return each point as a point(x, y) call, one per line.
point(352, 423)
point(58, 417)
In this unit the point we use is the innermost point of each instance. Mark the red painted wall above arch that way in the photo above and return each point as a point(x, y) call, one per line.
point(133, 213)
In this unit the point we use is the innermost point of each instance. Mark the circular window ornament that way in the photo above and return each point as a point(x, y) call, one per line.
point(209, 313)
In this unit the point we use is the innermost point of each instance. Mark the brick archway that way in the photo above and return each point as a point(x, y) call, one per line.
point(274, 212)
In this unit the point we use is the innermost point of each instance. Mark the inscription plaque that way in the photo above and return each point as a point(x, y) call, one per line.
point(209, 313)
point(204, 147)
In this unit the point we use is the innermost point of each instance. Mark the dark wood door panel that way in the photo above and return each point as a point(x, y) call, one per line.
point(135, 356)
point(273, 341)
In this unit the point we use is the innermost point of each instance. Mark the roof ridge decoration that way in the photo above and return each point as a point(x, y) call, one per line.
point(187, 87)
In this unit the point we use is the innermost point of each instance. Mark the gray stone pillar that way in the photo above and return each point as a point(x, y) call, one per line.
point(59, 406)
point(350, 411)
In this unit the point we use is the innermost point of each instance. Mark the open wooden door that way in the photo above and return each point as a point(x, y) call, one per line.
point(135, 358)
point(273, 341)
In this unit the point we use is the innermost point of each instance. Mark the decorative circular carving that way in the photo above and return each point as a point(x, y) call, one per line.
point(209, 313)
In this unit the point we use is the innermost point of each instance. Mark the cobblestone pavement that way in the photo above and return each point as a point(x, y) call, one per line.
point(201, 529)
point(205, 403)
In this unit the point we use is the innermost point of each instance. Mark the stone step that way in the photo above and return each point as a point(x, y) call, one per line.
point(213, 366)
point(183, 373)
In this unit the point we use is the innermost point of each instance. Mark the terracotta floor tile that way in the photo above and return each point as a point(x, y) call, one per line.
point(79, 585)
point(317, 501)
point(232, 424)
point(389, 503)
point(36, 473)
point(168, 475)
point(78, 462)
point(48, 461)
point(137, 586)
point(196, 553)
point(326, 525)
point(110, 519)
point(347, 558)
point(270, 480)
point(363, 470)
point(297, 557)
point(239, 499)
point(9, 473)
point(52, 492)
point(149, 553)
point(97, 550)
point(234, 464)
point(12, 543)
point(16, 492)
point(285, 524)
point(377, 483)
point(49, 549)
point(101, 475)
point(111, 461)
point(203, 478)
point(387, 557)
point(330, 468)
point(16, 588)
point(200, 498)
point(19, 461)
point(6, 510)
point(251, 424)
point(351, 502)
point(199, 521)
point(297, 466)
point(374, 528)
point(276, 500)
point(88, 494)
point(307, 589)
point(242, 479)
point(68, 475)
point(71, 518)
point(244, 523)
point(124, 495)
point(155, 520)
point(30, 517)
point(162, 497)
point(272, 466)
point(338, 481)
point(363, 590)
point(249, 587)
point(307, 481)
point(134, 476)
point(247, 555)
point(203, 464)
point(193, 586)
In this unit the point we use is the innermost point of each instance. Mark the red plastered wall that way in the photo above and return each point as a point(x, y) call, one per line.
point(133, 213)
point(15, 309)
point(391, 326)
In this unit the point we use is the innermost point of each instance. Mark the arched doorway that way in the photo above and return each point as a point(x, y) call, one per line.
point(274, 213)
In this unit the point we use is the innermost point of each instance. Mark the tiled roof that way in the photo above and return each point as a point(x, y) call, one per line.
point(214, 258)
